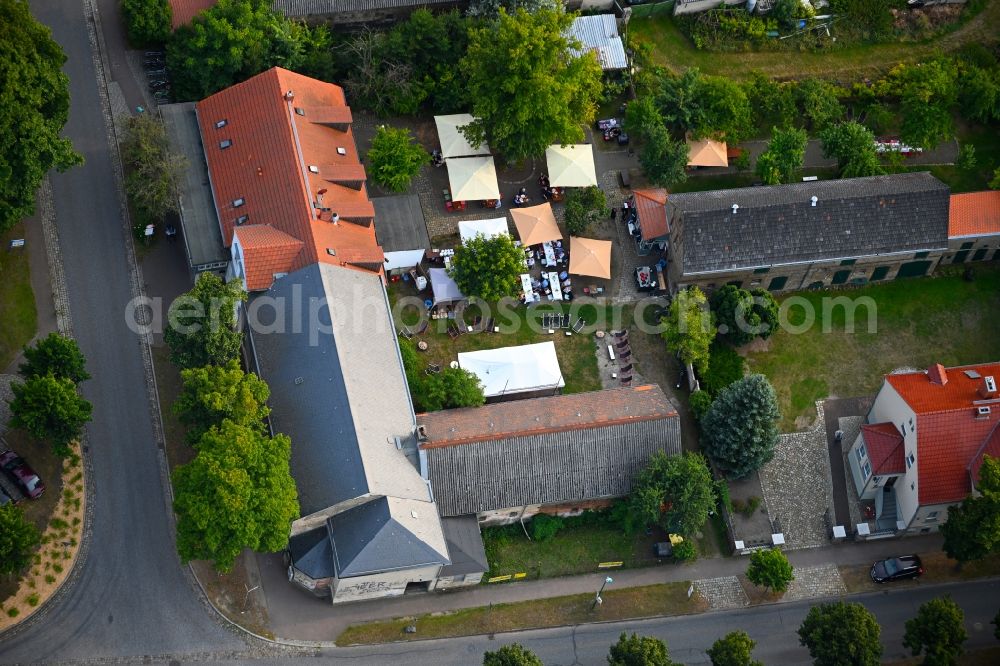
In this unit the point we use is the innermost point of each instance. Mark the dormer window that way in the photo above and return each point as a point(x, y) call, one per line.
point(225, 143)
point(300, 111)
point(313, 169)
point(242, 219)
point(222, 123)
point(238, 202)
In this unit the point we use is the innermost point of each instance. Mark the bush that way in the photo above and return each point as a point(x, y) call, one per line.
point(544, 526)
point(584, 205)
point(725, 367)
point(701, 402)
point(147, 21)
point(686, 551)
point(395, 158)
point(752, 504)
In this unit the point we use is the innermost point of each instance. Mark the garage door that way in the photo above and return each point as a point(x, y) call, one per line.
point(913, 269)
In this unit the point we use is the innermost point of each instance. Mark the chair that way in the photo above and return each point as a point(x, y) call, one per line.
point(623, 344)
point(578, 326)
point(489, 325)
point(453, 332)
point(565, 321)
point(625, 354)
point(405, 332)
point(626, 368)
point(423, 327)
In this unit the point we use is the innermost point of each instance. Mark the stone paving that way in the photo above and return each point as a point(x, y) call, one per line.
point(822, 580)
point(722, 593)
point(798, 490)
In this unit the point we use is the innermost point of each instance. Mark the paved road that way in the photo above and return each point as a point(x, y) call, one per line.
point(132, 597)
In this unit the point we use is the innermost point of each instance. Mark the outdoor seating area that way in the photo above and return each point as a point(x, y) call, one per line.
point(547, 277)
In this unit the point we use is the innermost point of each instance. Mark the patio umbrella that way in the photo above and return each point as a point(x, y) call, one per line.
point(536, 224)
point(473, 178)
point(571, 166)
point(588, 256)
point(707, 153)
point(453, 142)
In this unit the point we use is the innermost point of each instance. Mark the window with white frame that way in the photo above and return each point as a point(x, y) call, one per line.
point(861, 452)
point(866, 470)
point(877, 481)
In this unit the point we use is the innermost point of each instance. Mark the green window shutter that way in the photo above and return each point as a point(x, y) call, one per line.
point(960, 257)
point(968, 245)
point(879, 273)
point(840, 277)
point(848, 262)
point(761, 271)
point(777, 283)
point(921, 255)
point(980, 254)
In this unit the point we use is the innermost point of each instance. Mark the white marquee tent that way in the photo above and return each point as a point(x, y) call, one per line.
point(571, 166)
point(453, 142)
point(444, 288)
point(511, 370)
point(473, 178)
point(403, 259)
point(493, 227)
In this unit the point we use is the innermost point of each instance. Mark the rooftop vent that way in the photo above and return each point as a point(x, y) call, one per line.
point(814, 200)
point(335, 218)
point(413, 514)
point(289, 96)
point(238, 202)
point(313, 168)
point(341, 150)
point(330, 251)
point(300, 111)
point(736, 207)
point(299, 380)
point(422, 433)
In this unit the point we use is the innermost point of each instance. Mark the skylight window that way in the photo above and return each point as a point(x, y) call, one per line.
point(313, 169)
point(299, 110)
point(242, 219)
point(238, 202)
point(222, 123)
point(225, 143)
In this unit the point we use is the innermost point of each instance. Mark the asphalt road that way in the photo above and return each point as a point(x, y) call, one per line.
point(132, 597)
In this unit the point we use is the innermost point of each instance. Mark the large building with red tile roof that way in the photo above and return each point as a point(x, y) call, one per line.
point(925, 437)
point(182, 11)
point(974, 227)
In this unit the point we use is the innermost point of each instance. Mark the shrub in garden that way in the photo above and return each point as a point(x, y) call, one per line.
point(686, 551)
point(701, 402)
point(544, 526)
point(725, 367)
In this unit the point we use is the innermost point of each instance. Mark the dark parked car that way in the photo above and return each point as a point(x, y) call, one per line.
point(22, 474)
point(897, 568)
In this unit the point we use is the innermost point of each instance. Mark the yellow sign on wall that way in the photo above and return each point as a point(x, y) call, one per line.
point(609, 565)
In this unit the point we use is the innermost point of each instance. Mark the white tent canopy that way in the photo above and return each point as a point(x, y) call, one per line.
point(473, 178)
point(510, 370)
point(403, 259)
point(493, 227)
point(571, 166)
point(444, 288)
point(453, 142)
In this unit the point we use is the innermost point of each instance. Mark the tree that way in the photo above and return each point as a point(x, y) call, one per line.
point(853, 145)
point(584, 205)
point(994, 183)
point(700, 402)
point(725, 110)
point(783, 157)
point(979, 94)
point(771, 99)
point(663, 159)
point(770, 569)
point(231, 42)
point(638, 650)
point(642, 117)
point(154, 172)
point(57, 355)
point(927, 93)
point(395, 158)
point(787, 13)
point(213, 393)
point(925, 125)
point(677, 98)
point(33, 109)
point(972, 530)
point(740, 431)
point(766, 308)
point(676, 492)
point(147, 22)
point(489, 268)
point(734, 313)
point(690, 328)
point(237, 493)
point(733, 649)
point(452, 388)
point(938, 631)
point(841, 634)
point(526, 99)
point(818, 102)
point(966, 157)
point(202, 323)
point(18, 539)
point(49, 408)
point(511, 655)
point(490, 9)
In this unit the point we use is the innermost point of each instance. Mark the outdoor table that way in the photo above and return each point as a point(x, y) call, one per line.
point(554, 285)
point(550, 254)
point(526, 288)
point(422, 346)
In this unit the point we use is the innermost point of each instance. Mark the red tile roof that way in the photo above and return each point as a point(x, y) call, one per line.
point(292, 164)
point(974, 214)
point(266, 251)
point(991, 448)
point(950, 432)
point(185, 10)
point(937, 374)
point(535, 416)
point(651, 208)
point(885, 448)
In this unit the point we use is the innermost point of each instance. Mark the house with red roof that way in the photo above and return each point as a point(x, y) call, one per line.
point(653, 231)
point(922, 443)
point(974, 227)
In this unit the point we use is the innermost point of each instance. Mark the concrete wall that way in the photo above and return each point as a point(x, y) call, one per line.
point(449, 582)
point(313, 520)
point(513, 514)
point(970, 245)
point(924, 520)
point(378, 586)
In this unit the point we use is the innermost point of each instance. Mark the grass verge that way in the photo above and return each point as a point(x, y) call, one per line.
point(917, 322)
point(938, 568)
point(18, 319)
point(627, 604)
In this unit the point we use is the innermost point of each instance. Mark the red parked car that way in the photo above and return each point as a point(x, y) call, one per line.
point(21, 473)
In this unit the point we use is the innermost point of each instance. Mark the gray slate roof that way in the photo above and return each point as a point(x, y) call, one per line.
point(312, 553)
point(385, 534)
point(399, 223)
point(299, 8)
point(465, 547)
point(338, 388)
point(777, 224)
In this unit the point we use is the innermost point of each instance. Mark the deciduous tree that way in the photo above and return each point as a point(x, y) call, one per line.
point(451, 388)
point(928, 91)
point(663, 159)
point(972, 530)
point(18, 539)
point(853, 145)
point(740, 431)
point(770, 569)
point(55, 354)
point(676, 492)
point(690, 328)
point(33, 109)
point(154, 170)
point(735, 315)
point(642, 116)
point(489, 268)
point(49, 408)
point(395, 158)
point(511, 655)
point(979, 94)
point(584, 205)
point(147, 22)
point(766, 307)
point(528, 90)
point(490, 9)
point(841, 634)
point(818, 102)
point(201, 326)
point(725, 110)
point(733, 649)
point(770, 99)
point(213, 393)
point(783, 157)
point(237, 493)
point(638, 650)
point(938, 632)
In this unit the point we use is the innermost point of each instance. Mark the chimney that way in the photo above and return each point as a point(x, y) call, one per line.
point(335, 218)
point(814, 200)
point(289, 96)
point(937, 374)
point(422, 433)
point(988, 389)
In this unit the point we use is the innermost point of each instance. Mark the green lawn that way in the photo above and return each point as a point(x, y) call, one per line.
point(18, 319)
point(672, 49)
point(918, 322)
